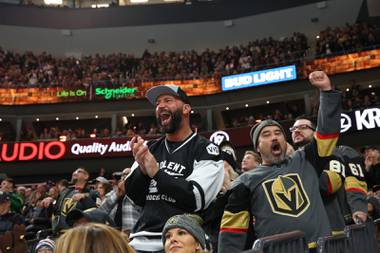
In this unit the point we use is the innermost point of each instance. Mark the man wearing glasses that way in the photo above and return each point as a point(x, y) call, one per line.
point(302, 131)
point(349, 203)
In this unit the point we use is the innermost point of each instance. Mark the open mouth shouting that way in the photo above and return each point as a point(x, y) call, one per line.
point(165, 117)
point(276, 149)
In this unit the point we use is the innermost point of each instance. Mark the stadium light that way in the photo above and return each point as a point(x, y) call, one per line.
point(53, 2)
point(125, 121)
point(138, 1)
point(100, 5)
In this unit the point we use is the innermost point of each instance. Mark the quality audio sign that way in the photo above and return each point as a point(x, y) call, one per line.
point(57, 150)
point(99, 148)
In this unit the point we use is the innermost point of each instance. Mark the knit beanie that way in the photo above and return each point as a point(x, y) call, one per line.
point(256, 130)
point(46, 244)
point(188, 223)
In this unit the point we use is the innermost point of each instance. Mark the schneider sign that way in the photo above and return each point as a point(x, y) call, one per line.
point(259, 78)
point(116, 93)
point(360, 120)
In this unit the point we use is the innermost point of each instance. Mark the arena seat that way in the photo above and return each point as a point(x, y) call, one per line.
point(377, 227)
point(294, 242)
point(333, 244)
point(362, 238)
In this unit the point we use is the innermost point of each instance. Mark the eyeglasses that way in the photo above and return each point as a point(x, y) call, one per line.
point(301, 127)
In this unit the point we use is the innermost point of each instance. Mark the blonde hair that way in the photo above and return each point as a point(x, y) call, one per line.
point(255, 155)
point(93, 238)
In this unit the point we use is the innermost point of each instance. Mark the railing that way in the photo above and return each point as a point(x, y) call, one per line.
point(333, 244)
point(294, 242)
point(362, 238)
point(357, 238)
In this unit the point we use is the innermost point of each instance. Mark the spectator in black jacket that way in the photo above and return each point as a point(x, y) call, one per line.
point(80, 196)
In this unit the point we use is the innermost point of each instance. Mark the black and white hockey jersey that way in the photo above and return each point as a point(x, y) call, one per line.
point(189, 178)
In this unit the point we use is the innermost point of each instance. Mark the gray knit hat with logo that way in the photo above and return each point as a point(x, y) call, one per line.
point(45, 244)
point(189, 223)
point(256, 130)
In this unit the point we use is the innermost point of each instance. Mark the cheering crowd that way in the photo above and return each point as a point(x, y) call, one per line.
point(184, 193)
point(28, 69)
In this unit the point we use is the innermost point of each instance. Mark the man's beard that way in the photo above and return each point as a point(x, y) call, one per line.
point(272, 158)
point(302, 143)
point(275, 159)
point(175, 122)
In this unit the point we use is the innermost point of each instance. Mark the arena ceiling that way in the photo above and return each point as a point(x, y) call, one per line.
point(138, 15)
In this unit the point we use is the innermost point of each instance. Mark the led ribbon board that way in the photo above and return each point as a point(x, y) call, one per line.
point(116, 93)
point(72, 93)
point(359, 120)
point(258, 78)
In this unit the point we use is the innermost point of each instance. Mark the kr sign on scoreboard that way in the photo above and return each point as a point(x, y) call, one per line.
point(259, 78)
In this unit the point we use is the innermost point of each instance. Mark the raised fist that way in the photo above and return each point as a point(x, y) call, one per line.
point(320, 80)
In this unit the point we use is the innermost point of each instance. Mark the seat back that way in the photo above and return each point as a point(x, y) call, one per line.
point(294, 242)
point(333, 244)
point(362, 238)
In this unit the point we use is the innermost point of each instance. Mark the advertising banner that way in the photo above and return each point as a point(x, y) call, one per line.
point(355, 121)
point(57, 150)
point(360, 120)
point(258, 78)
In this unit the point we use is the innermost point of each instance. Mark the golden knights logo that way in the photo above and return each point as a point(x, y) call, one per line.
point(68, 205)
point(286, 195)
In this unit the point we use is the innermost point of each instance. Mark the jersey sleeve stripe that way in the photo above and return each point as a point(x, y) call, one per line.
point(335, 181)
point(353, 184)
point(326, 145)
point(356, 190)
point(234, 230)
point(199, 196)
point(326, 136)
point(235, 221)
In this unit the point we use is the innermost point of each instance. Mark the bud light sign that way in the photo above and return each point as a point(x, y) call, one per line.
point(259, 78)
